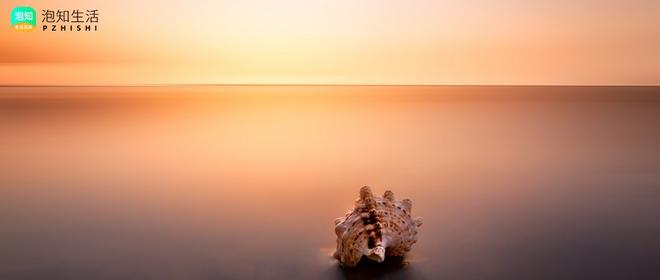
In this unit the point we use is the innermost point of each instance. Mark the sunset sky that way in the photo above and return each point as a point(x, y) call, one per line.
point(342, 42)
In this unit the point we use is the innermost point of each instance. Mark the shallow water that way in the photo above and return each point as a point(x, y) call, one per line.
point(245, 182)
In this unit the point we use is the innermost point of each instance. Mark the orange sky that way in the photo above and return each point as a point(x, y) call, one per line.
point(347, 42)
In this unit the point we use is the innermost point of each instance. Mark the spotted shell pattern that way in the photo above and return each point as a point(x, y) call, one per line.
point(377, 227)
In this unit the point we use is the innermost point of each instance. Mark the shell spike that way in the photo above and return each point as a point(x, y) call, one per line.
point(407, 203)
point(419, 221)
point(389, 195)
point(365, 193)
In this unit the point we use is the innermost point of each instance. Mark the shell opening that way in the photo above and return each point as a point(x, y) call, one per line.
point(377, 254)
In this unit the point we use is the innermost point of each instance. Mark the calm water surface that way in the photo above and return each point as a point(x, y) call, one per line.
point(245, 182)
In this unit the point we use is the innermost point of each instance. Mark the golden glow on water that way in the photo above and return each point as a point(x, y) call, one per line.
point(192, 181)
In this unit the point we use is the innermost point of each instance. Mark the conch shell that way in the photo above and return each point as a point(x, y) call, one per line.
point(377, 227)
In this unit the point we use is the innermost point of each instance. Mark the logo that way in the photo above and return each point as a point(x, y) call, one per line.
point(23, 19)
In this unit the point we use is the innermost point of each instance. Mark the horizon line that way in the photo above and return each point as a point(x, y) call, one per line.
point(333, 85)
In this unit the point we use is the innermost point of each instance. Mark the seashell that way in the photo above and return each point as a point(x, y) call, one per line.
point(377, 227)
